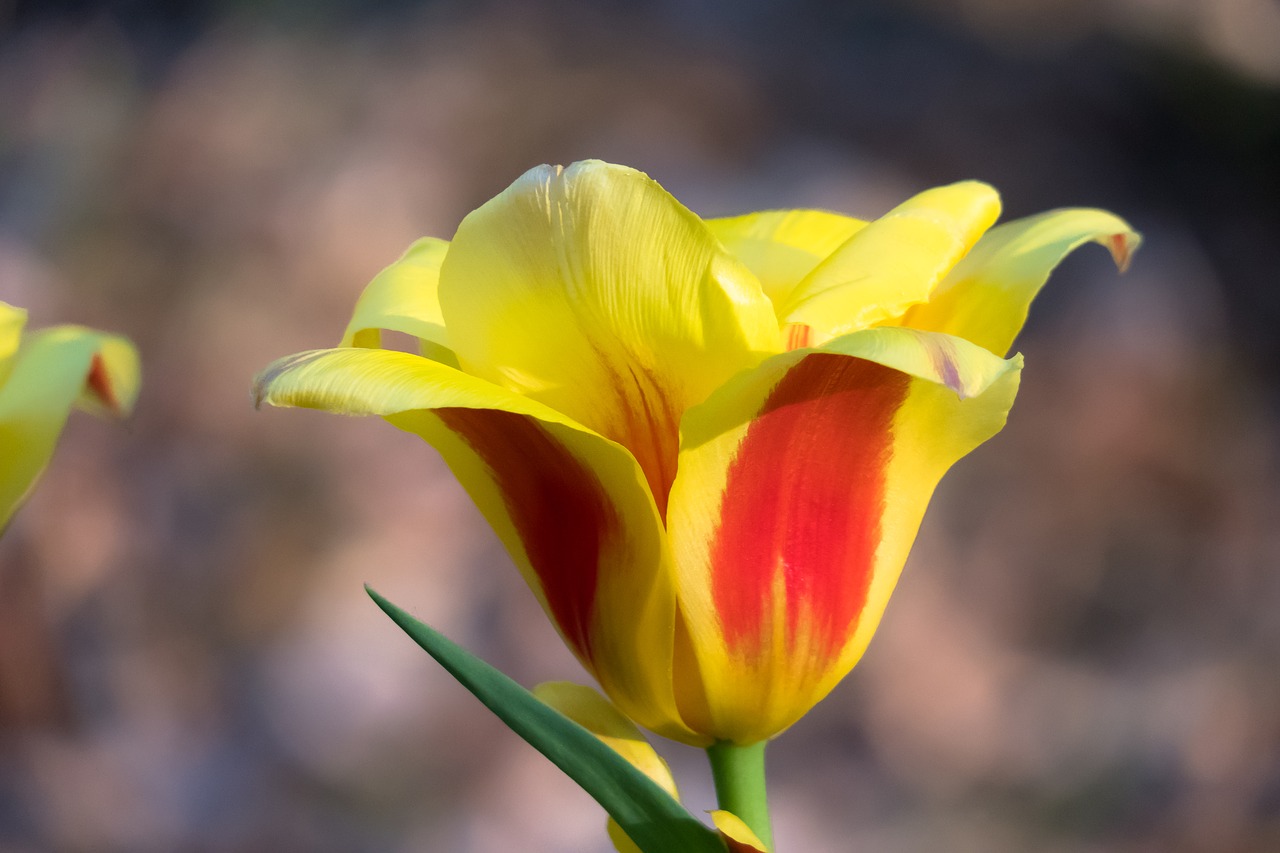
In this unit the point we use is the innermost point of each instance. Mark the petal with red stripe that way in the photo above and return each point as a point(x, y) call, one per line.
point(802, 484)
point(571, 507)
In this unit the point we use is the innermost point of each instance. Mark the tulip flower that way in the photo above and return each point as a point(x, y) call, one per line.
point(41, 379)
point(707, 444)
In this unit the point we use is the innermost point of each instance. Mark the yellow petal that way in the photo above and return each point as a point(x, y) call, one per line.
point(53, 370)
point(594, 291)
point(571, 507)
point(802, 484)
point(783, 246)
point(892, 263)
point(986, 297)
point(738, 837)
point(403, 298)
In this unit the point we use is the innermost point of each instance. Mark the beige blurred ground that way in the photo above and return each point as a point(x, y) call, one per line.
point(1082, 656)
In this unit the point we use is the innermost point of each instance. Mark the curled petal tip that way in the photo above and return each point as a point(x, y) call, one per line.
point(260, 383)
point(1122, 246)
point(263, 381)
point(112, 378)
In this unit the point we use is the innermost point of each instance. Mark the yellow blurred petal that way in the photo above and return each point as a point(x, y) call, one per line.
point(571, 507)
point(403, 298)
point(594, 291)
point(986, 297)
point(737, 835)
point(52, 371)
point(894, 262)
point(12, 320)
point(783, 246)
point(802, 484)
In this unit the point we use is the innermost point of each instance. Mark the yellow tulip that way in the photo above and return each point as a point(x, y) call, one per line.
point(706, 444)
point(41, 379)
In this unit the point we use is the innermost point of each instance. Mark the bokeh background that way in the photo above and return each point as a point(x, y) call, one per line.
point(1084, 651)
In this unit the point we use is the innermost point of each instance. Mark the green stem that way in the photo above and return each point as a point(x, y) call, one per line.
point(740, 785)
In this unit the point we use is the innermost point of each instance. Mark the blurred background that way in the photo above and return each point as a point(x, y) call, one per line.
point(1084, 651)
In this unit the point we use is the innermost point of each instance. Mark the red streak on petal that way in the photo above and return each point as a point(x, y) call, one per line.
point(647, 423)
point(99, 382)
point(1118, 244)
point(562, 513)
point(803, 498)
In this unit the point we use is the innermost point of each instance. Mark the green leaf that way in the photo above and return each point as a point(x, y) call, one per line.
point(653, 820)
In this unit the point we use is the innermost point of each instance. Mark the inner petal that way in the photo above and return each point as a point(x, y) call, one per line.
point(592, 290)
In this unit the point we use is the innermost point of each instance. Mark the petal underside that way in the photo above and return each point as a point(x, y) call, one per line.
point(592, 290)
point(986, 297)
point(802, 485)
point(571, 507)
point(894, 262)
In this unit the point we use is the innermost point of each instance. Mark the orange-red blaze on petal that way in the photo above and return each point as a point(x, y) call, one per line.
point(563, 515)
point(99, 382)
point(1119, 248)
point(802, 504)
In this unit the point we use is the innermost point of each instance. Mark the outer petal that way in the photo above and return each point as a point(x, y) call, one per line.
point(986, 297)
point(783, 246)
point(802, 484)
point(571, 507)
point(592, 290)
point(54, 370)
point(597, 715)
point(403, 298)
point(893, 263)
